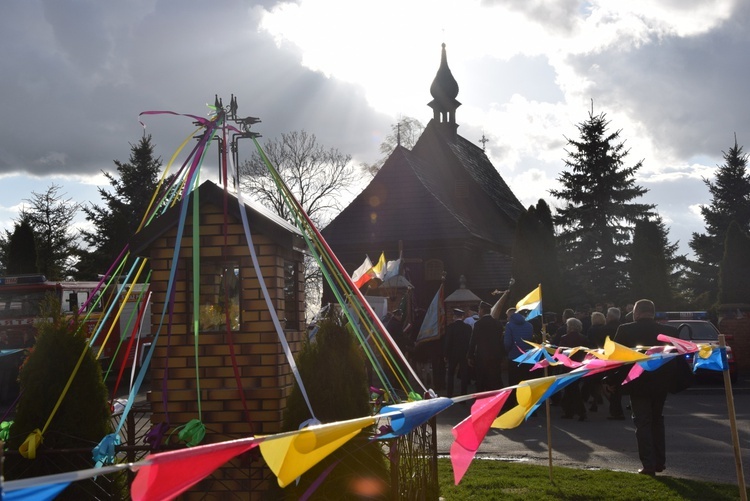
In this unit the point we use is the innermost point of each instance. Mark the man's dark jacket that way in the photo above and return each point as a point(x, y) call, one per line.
point(486, 346)
point(644, 333)
point(457, 338)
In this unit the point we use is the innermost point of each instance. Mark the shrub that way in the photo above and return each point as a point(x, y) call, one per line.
point(83, 417)
point(333, 371)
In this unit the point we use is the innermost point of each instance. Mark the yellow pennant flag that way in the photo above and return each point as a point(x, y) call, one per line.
point(292, 455)
point(619, 352)
point(528, 394)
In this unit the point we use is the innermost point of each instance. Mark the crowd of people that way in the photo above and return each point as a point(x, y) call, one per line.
point(477, 347)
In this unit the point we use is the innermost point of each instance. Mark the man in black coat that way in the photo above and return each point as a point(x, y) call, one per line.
point(457, 339)
point(486, 350)
point(648, 392)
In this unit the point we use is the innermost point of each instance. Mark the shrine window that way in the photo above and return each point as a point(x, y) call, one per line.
point(219, 296)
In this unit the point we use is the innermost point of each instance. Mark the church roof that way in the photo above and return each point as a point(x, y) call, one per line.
point(444, 189)
point(473, 162)
point(444, 193)
point(397, 205)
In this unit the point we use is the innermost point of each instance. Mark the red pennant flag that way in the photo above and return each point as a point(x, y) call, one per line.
point(168, 474)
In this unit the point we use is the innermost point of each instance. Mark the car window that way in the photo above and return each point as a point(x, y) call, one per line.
point(701, 331)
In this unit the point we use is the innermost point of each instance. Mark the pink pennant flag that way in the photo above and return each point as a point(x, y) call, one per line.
point(681, 345)
point(634, 373)
point(597, 365)
point(168, 474)
point(470, 432)
point(567, 361)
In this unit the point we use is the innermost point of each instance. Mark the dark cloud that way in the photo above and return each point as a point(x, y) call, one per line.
point(689, 92)
point(82, 71)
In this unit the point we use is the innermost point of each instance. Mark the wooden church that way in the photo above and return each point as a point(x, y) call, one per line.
point(442, 205)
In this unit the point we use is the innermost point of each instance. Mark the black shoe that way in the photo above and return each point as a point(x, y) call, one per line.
point(647, 471)
point(616, 418)
point(582, 417)
point(660, 468)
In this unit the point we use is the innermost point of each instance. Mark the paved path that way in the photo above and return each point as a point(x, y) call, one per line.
point(699, 441)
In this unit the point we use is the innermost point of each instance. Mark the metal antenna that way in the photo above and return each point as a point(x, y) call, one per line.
point(242, 130)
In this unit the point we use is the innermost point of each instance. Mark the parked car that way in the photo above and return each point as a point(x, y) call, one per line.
point(696, 327)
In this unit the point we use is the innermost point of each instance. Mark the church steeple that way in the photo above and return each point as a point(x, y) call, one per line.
point(444, 90)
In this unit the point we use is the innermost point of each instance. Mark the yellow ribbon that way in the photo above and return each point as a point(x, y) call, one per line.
point(28, 448)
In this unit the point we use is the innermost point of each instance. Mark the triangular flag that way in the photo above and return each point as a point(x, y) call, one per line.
point(292, 455)
point(682, 345)
point(412, 414)
point(170, 473)
point(470, 432)
point(528, 394)
point(35, 493)
point(617, 351)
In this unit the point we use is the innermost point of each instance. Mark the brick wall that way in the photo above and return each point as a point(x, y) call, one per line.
point(266, 378)
point(735, 322)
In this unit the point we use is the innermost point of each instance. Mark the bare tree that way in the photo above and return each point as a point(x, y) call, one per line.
point(404, 133)
point(315, 175)
point(318, 177)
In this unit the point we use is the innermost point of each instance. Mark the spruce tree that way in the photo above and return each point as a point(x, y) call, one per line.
point(730, 201)
point(651, 264)
point(118, 219)
point(735, 267)
point(598, 212)
point(20, 255)
point(535, 257)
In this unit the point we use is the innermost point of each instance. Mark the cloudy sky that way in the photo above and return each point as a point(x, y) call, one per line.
point(670, 74)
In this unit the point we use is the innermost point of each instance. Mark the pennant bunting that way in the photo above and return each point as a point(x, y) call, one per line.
point(409, 415)
point(470, 432)
point(292, 455)
point(558, 384)
point(681, 345)
point(715, 359)
point(169, 474)
point(617, 351)
point(528, 394)
point(36, 493)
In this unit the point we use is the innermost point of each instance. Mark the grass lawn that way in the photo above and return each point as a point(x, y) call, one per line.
point(493, 480)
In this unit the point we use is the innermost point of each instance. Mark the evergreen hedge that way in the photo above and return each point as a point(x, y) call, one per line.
point(333, 371)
